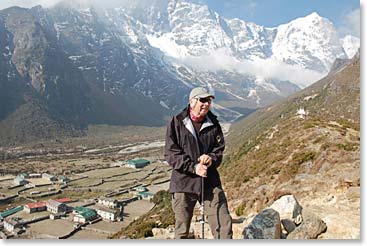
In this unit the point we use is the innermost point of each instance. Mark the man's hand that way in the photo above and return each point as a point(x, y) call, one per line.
point(201, 170)
point(205, 160)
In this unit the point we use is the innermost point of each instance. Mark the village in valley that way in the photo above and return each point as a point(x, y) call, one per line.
point(93, 204)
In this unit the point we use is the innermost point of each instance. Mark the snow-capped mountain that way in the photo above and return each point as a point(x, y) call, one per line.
point(308, 44)
point(299, 52)
point(351, 45)
point(311, 42)
point(135, 62)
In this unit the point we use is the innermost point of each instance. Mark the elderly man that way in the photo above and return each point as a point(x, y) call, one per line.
point(194, 148)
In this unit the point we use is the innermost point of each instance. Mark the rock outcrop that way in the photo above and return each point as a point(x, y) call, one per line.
point(265, 225)
point(311, 227)
point(285, 219)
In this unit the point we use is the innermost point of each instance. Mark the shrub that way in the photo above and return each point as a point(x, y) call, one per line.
point(302, 157)
point(240, 209)
point(246, 179)
point(346, 146)
point(291, 169)
point(162, 198)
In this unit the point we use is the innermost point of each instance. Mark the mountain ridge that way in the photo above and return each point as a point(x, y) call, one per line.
point(98, 66)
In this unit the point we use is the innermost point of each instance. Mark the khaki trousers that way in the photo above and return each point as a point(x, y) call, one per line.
point(216, 210)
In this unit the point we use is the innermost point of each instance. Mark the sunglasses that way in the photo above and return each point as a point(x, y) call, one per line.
point(205, 99)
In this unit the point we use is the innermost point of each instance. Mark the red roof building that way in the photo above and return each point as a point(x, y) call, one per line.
point(64, 200)
point(35, 207)
point(42, 206)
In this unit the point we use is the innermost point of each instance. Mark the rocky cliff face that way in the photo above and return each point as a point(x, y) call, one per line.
point(76, 78)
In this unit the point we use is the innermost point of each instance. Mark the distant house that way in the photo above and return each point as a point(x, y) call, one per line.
point(118, 164)
point(64, 200)
point(82, 214)
point(141, 189)
point(10, 212)
point(49, 177)
point(302, 113)
point(42, 206)
point(63, 179)
point(137, 190)
point(20, 181)
point(23, 175)
point(30, 185)
point(107, 202)
point(56, 207)
point(34, 176)
point(109, 214)
point(11, 224)
point(137, 163)
point(57, 216)
point(145, 195)
point(35, 207)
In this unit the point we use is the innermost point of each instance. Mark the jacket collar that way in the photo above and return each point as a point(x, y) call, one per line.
point(208, 121)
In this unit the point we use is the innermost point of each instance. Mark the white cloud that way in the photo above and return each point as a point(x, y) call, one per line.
point(351, 24)
point(27, 3)
point(265, 68)
point(50, 3)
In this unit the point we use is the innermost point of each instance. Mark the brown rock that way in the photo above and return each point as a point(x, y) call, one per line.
point(311, 227)
point(353, 193)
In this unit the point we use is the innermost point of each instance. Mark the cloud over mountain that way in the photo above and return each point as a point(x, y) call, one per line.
point(269, 68)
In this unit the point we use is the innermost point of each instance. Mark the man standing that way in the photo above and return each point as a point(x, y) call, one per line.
point(194, 148)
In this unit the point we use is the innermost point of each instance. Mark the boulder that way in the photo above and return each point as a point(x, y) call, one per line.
point(353, 193)
point(196, 231)
point(239, 223)
point(352, 178)
point(265, 225)
point(288, 208)
point(288, 226)
point(310, 228)
point(161, 233)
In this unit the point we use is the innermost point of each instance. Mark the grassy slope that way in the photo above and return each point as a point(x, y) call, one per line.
point(272, 152)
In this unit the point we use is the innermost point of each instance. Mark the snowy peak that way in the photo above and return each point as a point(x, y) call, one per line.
point(310, 42)
point(314, 16)
point(197, 27)
point(74, 4)
point(251, 41)
point(350, 45)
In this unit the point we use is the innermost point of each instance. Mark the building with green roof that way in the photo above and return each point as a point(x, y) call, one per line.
point(137, 163)
point(145, 195)
point(83, 214)
point(10, 212)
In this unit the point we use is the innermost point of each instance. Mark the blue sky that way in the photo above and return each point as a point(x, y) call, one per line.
point(274, 12)
point(344, 14)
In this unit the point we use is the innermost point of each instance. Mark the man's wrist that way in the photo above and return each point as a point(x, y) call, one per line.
point(195, 165)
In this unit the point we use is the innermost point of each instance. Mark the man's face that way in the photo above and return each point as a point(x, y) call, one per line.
point(200, 106)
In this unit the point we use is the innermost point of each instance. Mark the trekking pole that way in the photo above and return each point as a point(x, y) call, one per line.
point(202, 208)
